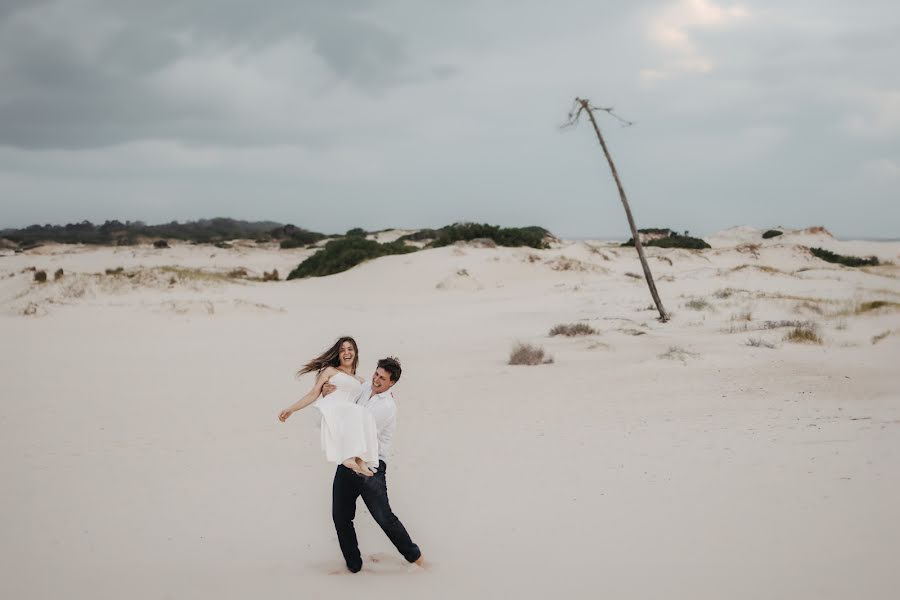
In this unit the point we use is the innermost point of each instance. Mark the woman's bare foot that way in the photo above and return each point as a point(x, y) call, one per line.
point(353, 465)
point(364, 466)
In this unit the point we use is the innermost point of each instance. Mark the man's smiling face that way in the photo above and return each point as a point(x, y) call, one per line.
point(381, 381)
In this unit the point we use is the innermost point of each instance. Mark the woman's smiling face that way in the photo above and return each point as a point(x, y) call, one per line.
point(347, 354)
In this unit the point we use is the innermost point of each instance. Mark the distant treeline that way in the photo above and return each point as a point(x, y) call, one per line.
point(204, 231)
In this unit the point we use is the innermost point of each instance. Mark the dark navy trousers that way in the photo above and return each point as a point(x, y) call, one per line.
point(347, 487)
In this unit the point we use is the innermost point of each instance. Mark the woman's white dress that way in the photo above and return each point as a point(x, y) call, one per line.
point(348, 429)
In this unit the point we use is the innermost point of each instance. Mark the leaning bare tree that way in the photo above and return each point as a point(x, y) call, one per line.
point(581, 105)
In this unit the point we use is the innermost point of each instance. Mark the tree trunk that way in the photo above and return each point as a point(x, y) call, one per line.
point(663, 316)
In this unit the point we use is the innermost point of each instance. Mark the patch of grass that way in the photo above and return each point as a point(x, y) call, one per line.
point(849, 261)
point(880, 336)
point(677, 353)
point(875, 305)
point(58, 274)
point(743, 316)
point(783, 323)
point(40, 276)
point(273, 276)
point(116, 271)
point(841, 325)
point(804, 334)
point(697, 304)
point(186, 274)
point(810, 306)
point(759, 343)
point(345, 253)
point(724, 293)
point(527, 354)
point(771, 233)
point(762, 268)
point(572, 329)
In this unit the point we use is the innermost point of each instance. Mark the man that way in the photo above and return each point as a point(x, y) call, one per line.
point(348, 486)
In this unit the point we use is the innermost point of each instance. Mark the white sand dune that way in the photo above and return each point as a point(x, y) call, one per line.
point(142, 456)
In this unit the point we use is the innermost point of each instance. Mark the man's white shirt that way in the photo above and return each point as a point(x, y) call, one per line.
point(384, 409)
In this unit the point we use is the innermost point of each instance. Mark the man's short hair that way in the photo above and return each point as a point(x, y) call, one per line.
point(392, 366)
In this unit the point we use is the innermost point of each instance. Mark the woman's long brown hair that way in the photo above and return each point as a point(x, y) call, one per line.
point(331, 358)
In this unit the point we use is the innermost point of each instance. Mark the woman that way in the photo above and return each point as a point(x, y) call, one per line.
point(349, 436)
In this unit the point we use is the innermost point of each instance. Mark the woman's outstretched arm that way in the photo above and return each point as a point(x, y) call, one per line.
point(310, 396)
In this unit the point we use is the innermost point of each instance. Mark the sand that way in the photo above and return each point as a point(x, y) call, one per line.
point(143, 458)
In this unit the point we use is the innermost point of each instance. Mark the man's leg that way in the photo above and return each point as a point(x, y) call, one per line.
point(344, 492)
point(374, 494)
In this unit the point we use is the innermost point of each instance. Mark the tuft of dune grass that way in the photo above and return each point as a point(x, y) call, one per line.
point(527, 354)
point(572, 329)
point(803, 334)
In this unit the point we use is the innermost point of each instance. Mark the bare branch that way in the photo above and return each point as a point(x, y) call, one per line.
point(609, 110)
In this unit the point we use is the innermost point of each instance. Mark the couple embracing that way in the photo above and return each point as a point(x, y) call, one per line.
point(358, 422)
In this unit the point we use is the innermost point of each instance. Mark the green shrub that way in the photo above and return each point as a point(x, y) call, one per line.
point(296, 237)
point(850, 261)
point(771, 233)
point(40, 276)
point(419, 236)
point(59, 274)
point(674, 241)
point(345, 253)
point(356, 232)
point(533, 237)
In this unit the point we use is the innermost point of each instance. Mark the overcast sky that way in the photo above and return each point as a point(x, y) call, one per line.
point(332, 115)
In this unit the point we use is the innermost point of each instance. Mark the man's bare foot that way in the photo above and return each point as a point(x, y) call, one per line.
point(351, 464)
point(421, 563)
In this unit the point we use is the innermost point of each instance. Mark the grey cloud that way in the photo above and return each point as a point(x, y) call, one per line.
point(51, 96)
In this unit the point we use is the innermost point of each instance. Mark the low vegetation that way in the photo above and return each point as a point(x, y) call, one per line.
point(572, 329)
point(804, 334)
point(771, 233)
point(40, 276)
point(527, 354)
point(880, 336)
point(117, 233)
point(697, 304)
point(58, 274)
point(532, 237)
point(296, 237)
point(865, 307)
point(677, 353)
point(759, 343)
point(849, 261)
point(670, 239)
point(345, 253)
